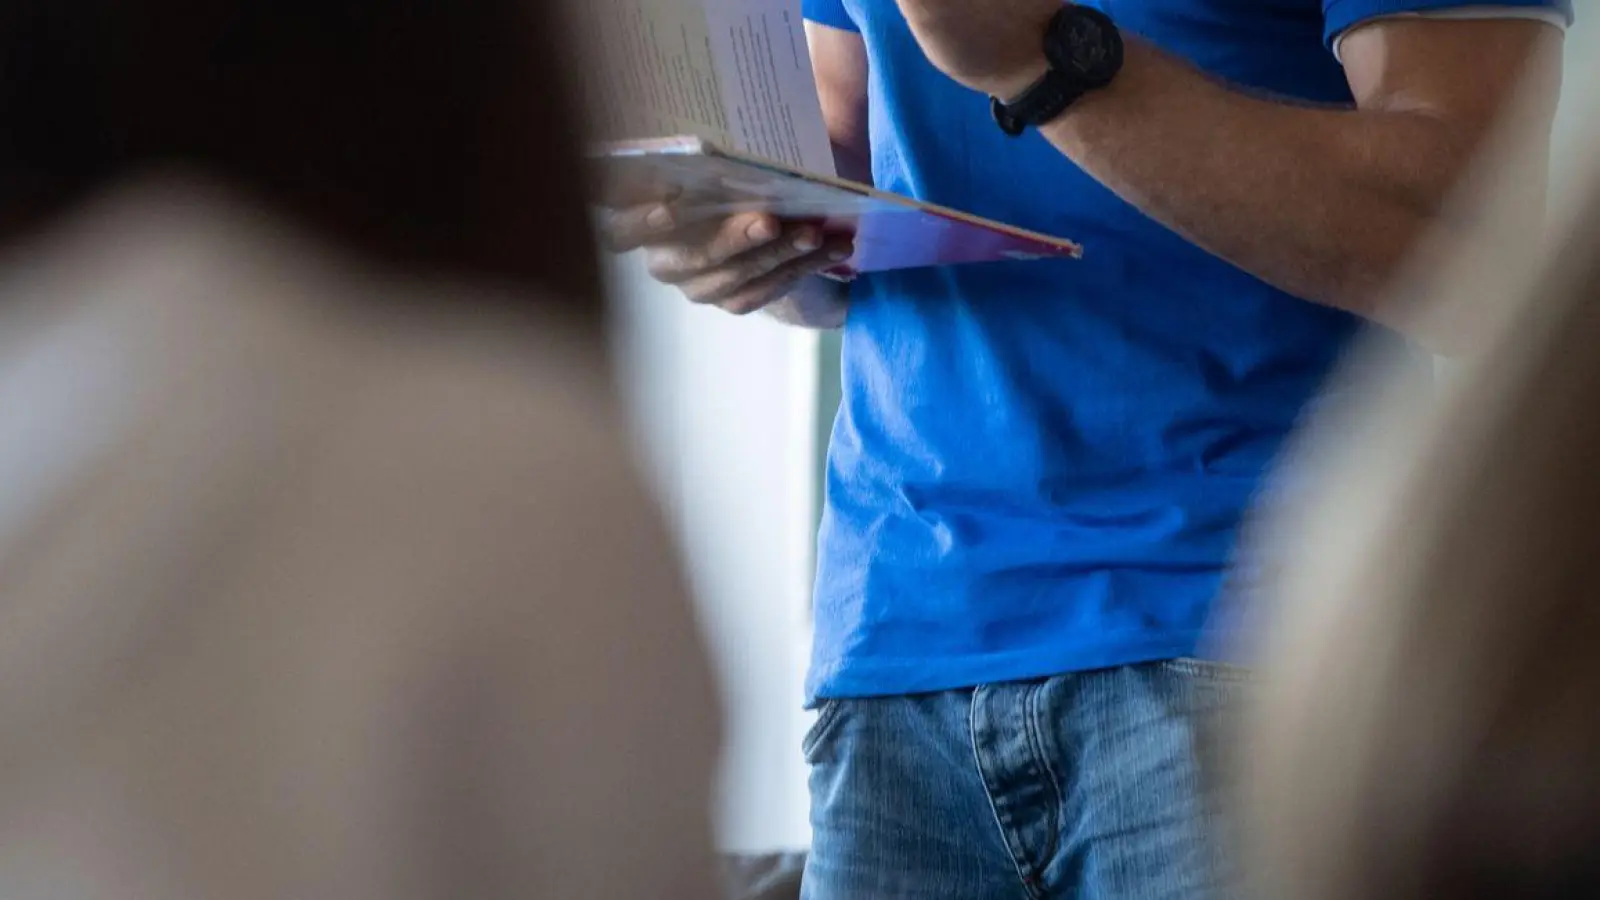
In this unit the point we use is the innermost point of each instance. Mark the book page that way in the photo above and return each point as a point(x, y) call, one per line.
point(733, 72)
point(650, 70)
point(769, 90)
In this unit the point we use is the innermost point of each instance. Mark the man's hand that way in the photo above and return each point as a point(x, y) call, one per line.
point(991, 46)
point(740, 264)
point(750, 261)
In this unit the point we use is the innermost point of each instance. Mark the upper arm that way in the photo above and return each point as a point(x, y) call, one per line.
point(1460, 72)
point(1487, 91)
point(839, 60)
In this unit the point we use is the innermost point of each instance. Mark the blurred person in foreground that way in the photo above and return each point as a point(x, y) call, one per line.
point(1039, 469)
point(324, 572)
point(1431, 725)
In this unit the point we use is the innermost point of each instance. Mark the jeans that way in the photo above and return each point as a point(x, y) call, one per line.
point(1087, 786)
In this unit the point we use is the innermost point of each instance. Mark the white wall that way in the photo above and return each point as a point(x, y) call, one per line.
point(1578, 117)
point(724, 412)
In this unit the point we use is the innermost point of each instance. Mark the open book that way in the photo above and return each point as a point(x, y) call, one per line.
point(712, 104)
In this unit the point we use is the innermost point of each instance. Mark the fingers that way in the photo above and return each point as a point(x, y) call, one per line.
point(714, 267)
point(732, 290)
point(633, 227)
point(739, 263)
point(744, 238)
point(658, 224)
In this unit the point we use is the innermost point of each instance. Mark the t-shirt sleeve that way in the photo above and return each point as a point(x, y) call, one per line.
point(830, 13)
point(1340, 16)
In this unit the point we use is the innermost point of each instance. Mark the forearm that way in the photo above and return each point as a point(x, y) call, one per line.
point(1320, 202)
point(815, 302)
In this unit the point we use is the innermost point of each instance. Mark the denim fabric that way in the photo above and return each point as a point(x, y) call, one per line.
point(1087, 786)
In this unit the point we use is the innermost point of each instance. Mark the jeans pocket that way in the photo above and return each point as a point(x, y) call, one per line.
point(828, 715)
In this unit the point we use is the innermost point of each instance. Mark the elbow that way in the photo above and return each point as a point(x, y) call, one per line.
point(1436, 281)
point(1388, 214)
point(1355, 271)
point(1412, 231)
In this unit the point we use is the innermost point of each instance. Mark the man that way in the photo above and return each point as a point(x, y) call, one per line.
point(1039, 468)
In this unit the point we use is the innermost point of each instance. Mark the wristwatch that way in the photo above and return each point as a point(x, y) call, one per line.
point(1084, 50)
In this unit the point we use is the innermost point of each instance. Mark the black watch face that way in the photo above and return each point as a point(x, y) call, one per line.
point(1093, 49)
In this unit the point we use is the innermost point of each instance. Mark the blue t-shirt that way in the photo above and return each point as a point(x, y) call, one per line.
point(1041, 467)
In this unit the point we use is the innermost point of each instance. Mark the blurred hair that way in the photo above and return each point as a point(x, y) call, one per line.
point(1433, 720)
point(428, 135)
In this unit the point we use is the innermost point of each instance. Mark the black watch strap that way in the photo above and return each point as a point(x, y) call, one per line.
point(1043, 102)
